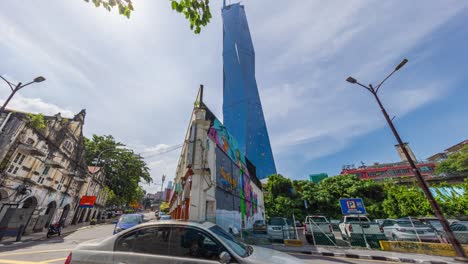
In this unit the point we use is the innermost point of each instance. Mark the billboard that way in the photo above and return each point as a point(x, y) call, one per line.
point(87, 201)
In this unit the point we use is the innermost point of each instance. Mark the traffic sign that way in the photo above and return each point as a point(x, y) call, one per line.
point(352, 206)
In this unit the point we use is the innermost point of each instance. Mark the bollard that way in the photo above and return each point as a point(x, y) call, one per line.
point(20, 233)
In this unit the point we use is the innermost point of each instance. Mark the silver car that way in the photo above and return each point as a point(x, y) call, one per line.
point(280, 228)
point(174, 242)
point(409, 229)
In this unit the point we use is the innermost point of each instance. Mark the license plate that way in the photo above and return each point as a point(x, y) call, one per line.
point(276, 228)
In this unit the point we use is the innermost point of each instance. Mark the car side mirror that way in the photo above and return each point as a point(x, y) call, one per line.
point(224, 257)
point(114, 222)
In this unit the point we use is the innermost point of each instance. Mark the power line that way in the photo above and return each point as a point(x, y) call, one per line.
point(170, 149)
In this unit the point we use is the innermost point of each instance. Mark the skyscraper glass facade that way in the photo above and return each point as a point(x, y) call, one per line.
point(242, 109)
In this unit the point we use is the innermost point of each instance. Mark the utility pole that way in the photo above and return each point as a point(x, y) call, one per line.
point(461, 256)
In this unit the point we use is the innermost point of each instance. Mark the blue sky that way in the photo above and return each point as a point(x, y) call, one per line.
point(138, 78)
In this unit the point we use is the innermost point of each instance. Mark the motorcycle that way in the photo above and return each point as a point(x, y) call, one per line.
point(54, 229)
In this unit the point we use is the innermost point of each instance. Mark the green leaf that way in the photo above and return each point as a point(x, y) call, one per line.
point(174, 5)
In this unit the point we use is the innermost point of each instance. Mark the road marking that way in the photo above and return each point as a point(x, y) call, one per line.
point(11, 261)
point(35, 252)
point(53, 260)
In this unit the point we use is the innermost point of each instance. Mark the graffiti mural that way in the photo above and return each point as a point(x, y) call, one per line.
point(223, 139)
point(236, 194)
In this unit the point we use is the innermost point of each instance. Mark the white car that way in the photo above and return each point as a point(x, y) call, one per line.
point(174, 242)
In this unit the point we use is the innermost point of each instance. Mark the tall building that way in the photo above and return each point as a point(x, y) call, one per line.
point(402, 154)
point(242, 109)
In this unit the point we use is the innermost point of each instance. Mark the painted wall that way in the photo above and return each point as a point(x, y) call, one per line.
point(239, 202)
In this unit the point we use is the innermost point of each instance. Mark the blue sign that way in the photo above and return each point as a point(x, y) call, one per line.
point(352, 206)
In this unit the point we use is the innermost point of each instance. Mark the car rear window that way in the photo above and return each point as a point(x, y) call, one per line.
point(356, 219)
point(408, 223)
point(276, 221)
point(318, 219)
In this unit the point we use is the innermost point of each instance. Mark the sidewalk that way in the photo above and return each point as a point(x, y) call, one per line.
point(43, 235)
point(363, 254)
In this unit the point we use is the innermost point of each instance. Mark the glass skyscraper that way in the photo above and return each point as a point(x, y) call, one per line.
point(242, 109)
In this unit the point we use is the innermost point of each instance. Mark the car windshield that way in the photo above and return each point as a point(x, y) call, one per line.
point(128, 219)
point(259, 222)
point(240, 248)
point(356, 219)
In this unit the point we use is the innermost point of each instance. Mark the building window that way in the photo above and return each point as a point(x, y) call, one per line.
point(15, 165)
point(46, 170)
point(40, 180)
point(60, 185)
point(68, 145)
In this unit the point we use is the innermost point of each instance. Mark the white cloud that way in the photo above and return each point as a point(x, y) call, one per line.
point(37, 105)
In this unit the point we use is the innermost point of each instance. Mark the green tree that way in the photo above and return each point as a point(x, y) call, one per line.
point(456, 163)
point(197, 12)
point(35, 121)
point(123, 169)
point(402, 201)
point(324, 197)
point(452, 198)
point(278, 185)
point(283, 197)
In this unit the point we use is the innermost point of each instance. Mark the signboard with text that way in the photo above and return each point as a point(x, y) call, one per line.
point(87, 201)
point(352, 206)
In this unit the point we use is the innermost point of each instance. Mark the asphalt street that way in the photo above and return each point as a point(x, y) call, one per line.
point(56, 249)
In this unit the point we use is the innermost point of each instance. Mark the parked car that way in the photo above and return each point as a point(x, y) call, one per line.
point(318, 230)
point(359, 229)
point(259, 226)
point(165, 218)
point(335, 224)
point(280, 228)
point(127, 221)
point(175, 242)
point(460, 231)
point(409, 229)
point(298, 223)
point(432, 222)
point(379, 221)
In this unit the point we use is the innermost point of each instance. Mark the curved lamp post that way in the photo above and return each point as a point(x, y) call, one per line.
point(16, 88)
point(461, 256)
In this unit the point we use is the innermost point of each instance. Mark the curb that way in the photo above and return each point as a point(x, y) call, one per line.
point(367, 257)
point(44, 238)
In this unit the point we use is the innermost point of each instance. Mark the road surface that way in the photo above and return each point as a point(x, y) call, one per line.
point(56, 249)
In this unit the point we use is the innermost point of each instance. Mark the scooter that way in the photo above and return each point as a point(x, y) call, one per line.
point(54, 229)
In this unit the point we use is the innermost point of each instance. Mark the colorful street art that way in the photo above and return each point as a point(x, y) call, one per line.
point(223, 139)
point(236, 199)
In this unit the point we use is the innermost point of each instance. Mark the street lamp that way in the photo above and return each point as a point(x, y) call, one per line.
point(434, 205)
point(16, 88)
